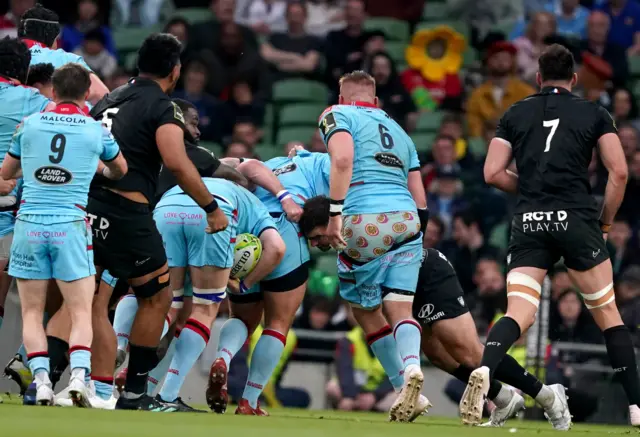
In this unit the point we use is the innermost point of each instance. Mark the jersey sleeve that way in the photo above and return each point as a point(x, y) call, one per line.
point(605, 123)
point(205, 161)
point(333, 121)
point(15, 148)
point(503, 131)
point(78, 60)
point(110, 148)
point(414, 164)
point(169, 113)
point(262, 220)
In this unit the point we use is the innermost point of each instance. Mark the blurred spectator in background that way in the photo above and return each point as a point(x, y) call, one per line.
point(490, 297)
point(484, 15)
point(361, 383)
point(630, 206)
point(266, 16)
point(597, 43)
point(393, 97)
point(405, 10)
point(443, 154)
point(560, 281)
point(470, 246)
point(624, 107)
point(573, 323)
point(246, 132)
point(345, 46)
point(628, 299)
point(435, 232)
point(374, 42)
point(178, 27)
point(88, 20)
point(531, 45)
point(206, 35)
point(119, 78)
point(619, 236)
point(293, 53)
point(571, 17)
point(452, 125)
point(238, 149)
point(9, 21)
point(290, 146)
point(324, 16)
point(625, 23)
point(445, 199)
point(500, 90)
point(95, 54)
point(317, 144)
point(629, 136)
point(138, 12)
point(210, 110)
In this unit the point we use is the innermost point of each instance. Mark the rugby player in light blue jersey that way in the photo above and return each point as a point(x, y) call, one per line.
point(58, 152)
point(39, 28)
point(208, 260)
point(376, 184)
point(279, 294)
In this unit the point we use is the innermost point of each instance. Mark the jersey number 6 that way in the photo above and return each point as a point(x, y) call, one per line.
point(385, 137)
point(58, 144)
point(553, 124)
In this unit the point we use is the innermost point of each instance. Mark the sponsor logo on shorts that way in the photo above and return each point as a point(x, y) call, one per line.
point(19, 260)
point(509, 259)
point(347, 232)
point(426, 313)
point(382, 218)
point(388, 160)
point(461, 301)
point(361, 242)
point(399, 228)
point(544, 221)
point(356, 219)
point(183, 215)
point(139, 263)
point(388, 240)
point(596, 253)
point(51, 175)
point(371, 229)
point(100, 227)
point(46, 234)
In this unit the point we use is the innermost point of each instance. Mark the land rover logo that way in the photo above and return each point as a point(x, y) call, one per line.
point(53, 175)
point(286, 169)
point(388, 159)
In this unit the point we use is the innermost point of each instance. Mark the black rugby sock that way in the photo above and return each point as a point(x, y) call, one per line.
point(623, 361)
point(463, 373)
point(501, 337)
point(58, 358)
point(141, 360)
point(512, 373)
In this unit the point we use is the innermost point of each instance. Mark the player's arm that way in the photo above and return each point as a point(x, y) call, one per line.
point(97, 90)
point(496, 167)
point(231, 174)
point(340, 147)
point(11, 165)
point(416, 188)
point(273, 249)
point(112, 164)
point(613, 159)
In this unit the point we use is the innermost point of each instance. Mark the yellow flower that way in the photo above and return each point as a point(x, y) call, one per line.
point(436, 52)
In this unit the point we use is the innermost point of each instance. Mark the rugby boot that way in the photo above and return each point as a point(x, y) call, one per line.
point(500, 415)
point(559, 415)
point(244, 409)
point(145, 403)
point(120, 380)
point(181, 405)
point(475, 396)
point(405, 405)
point(216, 394)
point(18, 373)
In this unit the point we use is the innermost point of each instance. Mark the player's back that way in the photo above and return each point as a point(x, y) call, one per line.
point(59, 152)
point(383, 156)
point(306, 175)
point(552, 135)
point(133, 113)
point(18, 102)
point(41, 54)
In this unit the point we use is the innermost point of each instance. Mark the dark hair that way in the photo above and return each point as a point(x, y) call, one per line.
point(71, 82)
point(40, 24)
point(556, 63)
point(444, 137)
point(95, 35)
point(467, 216)
point(315, 212)
point(14, 59)
point(184, 105)
point(159, 55)
point(40, 73)
point(439, 222)
point(452, 118)
point(293, 3)
point(633, 110)
point(174, 21)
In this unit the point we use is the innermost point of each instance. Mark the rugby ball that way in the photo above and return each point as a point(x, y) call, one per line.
point(246, 255)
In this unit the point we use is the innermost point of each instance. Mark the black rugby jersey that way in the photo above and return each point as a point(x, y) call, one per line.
point(133, 113)
point(552, 135)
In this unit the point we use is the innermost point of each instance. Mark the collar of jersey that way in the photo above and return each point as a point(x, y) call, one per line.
point(30, 43)
point(9, 81)
point(365, 104)
point(68, 109)
point(551, 90)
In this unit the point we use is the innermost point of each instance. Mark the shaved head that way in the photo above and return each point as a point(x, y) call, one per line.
point(357, 86)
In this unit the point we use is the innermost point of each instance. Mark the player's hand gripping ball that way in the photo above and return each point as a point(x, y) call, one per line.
point(246, 255)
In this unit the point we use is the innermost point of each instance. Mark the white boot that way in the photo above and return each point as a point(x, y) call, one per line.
point(474, 397)
point(405, 405)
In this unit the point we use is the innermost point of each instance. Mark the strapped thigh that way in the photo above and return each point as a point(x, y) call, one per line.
point(600, 298)
point(525, 287)
point(208, 296)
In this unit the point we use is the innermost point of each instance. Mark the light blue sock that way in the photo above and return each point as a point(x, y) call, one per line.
point(385, 349)
point(104, 387)
point(407, 334)
point(232, 336)
point(39, 363)
point(192, 341)
point(80, 358)
point(264, 359)
point(156, 375)
point(123, 319)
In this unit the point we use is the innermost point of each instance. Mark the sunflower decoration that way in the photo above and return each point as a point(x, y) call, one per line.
point(434, 58)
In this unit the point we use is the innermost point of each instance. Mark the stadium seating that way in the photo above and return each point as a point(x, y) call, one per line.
point(477, 147)
point(396, 49)
point(429, 122)
point(500, 236)
point(194, 15)
point(129, 39)
point(212, 147)
point(267, 151)
point(299, 90)
point(434, 11)
point(634, 66)
point(300, 114)
point(423, 142)
point(286, 135)
point(393, 29)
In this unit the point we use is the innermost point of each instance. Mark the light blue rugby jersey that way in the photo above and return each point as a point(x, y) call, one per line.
point(41, 54)
point(59, 152)
point(304, 176)
point(250, 214)
point(383, 156)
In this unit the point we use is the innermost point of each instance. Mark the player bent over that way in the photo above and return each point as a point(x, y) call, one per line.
point(58, 152)
point(450, 341)
point(375, 179)
point(209, 259)
point(556, 216)
point(282, 291)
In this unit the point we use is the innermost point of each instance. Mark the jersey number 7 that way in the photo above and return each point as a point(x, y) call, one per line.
point(553, 124)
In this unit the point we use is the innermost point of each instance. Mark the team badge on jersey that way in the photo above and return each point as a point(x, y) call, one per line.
point(328, 122)
point(177, 113)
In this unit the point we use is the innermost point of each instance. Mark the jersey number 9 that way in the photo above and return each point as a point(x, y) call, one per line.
point(58, 143)
point(385, 137)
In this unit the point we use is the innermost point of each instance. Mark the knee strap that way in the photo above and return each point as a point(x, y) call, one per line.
point(178, 298)
point(153, 286)
point(525, 287)
point(600, 298)
point(208, 296)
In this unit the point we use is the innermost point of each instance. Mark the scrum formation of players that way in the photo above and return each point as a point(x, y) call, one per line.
point(113, 186)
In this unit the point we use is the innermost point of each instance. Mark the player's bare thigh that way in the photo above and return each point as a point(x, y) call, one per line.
point(207, 278)
point(460, 339)
point(280, 307)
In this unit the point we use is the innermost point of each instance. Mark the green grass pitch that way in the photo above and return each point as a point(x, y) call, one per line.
point(19, 421)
